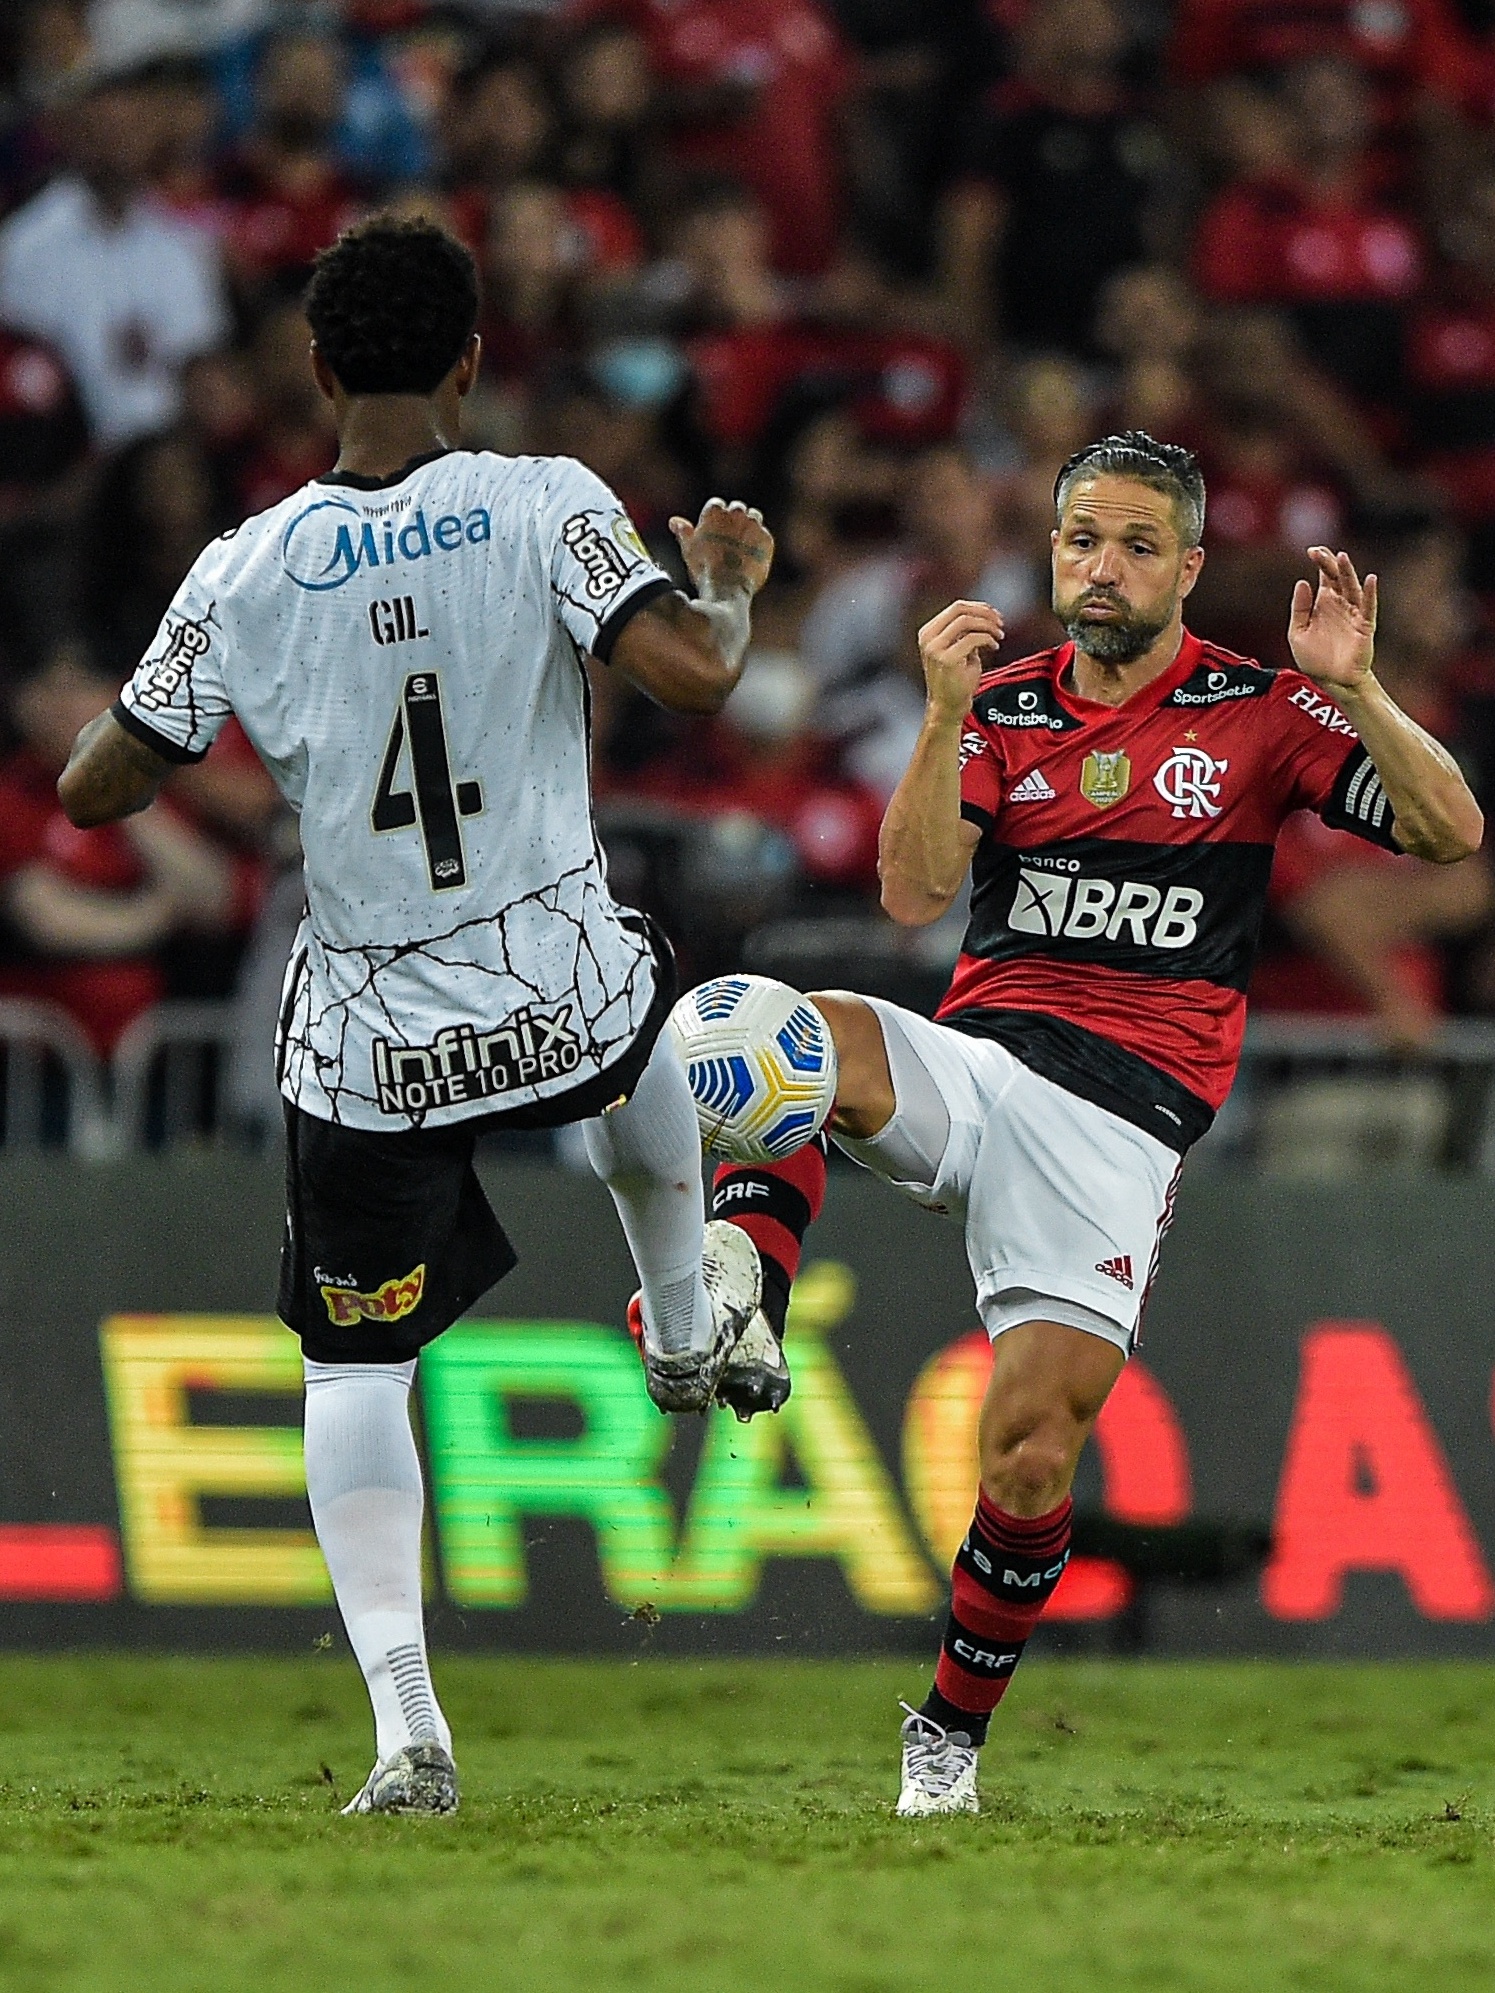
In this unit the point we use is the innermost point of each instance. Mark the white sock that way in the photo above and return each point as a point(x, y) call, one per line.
point(363, 1478)
point(648, 1153)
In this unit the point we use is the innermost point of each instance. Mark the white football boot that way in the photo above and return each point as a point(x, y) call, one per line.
point(939, 1769)
point(421, 1778)
point(687, 1380)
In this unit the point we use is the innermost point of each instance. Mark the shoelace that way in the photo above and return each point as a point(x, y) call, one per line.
point(933, 1759)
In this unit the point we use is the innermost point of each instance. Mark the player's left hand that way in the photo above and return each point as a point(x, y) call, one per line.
point(1332, 629)
point(728, 547)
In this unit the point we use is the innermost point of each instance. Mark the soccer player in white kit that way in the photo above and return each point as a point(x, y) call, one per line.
point(403, 642)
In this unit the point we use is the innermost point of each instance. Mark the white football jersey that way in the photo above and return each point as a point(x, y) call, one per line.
point(406, 658)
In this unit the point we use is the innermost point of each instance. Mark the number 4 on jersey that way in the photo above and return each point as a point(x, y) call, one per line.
point(436, 805)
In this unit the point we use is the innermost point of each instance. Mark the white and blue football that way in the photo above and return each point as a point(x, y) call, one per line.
point(761, 1064)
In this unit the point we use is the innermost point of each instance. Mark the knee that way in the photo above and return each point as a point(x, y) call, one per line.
point(1028, 1473)
point(864, 1086)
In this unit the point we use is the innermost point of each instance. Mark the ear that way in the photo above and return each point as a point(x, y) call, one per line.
point(466, 374)
point(323, 375)
point(1189, 573)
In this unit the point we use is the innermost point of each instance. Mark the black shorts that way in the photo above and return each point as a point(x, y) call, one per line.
point(389, 1237)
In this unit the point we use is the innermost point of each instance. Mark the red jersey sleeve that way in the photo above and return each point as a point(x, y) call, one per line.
point(1323, 767)
point(980, 777)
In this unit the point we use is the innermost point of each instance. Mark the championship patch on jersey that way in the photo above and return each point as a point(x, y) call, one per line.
point(390, 1303)
point(1105, 778)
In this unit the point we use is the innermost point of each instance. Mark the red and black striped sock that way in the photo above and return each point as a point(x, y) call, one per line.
point(775, 1204)
point(1005, 1574)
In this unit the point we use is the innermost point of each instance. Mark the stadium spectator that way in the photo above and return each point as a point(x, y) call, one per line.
point(151, 516)
point(293, 438)
point(82, 913)
point(286, 192)
point(43, 473)
point(1451, 372)
point(497, 129)
point(858, 638)
point(1368, 928)
point(754, 89)
point(126, 293)
point(1320, 239)
point(1059, 178)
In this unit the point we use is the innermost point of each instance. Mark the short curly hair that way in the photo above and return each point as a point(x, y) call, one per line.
point(1166, 467)
point(392, 305)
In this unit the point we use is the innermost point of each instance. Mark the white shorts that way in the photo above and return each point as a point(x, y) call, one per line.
point(1064, 1204)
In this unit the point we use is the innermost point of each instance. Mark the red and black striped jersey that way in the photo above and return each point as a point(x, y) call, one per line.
point(1120, 880)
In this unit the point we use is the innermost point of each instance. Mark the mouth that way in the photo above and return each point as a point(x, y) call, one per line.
point(1104, 607)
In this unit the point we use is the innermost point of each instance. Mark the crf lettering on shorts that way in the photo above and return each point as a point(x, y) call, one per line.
point(390, 1303)
point(475, 1061)
point(1099, 909)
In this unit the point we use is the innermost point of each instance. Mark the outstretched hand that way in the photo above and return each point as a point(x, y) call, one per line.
point(1332, 629)
point(955, 648)
point(728, 547)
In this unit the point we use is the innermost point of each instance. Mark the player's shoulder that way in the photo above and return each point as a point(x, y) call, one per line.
point(1221, 677)
point(1021, 694)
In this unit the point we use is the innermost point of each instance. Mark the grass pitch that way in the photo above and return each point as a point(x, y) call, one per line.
point(168, 1824)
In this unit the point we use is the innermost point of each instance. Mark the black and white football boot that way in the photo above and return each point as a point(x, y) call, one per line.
point(421, 1778)
point(756, 1378)
point(687, 1380)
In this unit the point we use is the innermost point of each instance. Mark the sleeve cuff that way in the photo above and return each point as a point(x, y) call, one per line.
point(609, 631)
point(973, 813)
point(169, 750)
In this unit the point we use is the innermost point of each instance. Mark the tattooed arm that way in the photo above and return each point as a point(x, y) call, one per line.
point(109, 774)
point(688, 655)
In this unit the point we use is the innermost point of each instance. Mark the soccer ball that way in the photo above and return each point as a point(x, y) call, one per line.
point(761, 1064)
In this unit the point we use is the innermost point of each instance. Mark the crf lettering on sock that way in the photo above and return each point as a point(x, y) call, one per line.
point(1005, 1574)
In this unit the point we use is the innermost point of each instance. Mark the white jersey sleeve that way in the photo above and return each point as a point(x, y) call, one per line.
point(599, 567)
point(177, 700)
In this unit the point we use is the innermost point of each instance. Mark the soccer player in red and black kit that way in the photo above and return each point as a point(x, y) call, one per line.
point(1118, 800)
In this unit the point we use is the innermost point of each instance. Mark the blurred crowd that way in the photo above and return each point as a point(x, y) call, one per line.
point(877, 266)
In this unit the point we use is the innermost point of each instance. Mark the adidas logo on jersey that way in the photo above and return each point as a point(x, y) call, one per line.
point(1034, 788)
point(1119, 1268)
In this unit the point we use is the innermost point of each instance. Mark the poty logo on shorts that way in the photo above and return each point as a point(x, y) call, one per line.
point(1096, 909)
point(390, 1303)
point(330, 541)
point(1190, 780)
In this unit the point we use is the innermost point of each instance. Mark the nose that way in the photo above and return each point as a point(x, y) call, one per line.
point(1105, 566)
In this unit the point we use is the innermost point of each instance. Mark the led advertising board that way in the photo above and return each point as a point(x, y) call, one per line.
point(1315, 1363)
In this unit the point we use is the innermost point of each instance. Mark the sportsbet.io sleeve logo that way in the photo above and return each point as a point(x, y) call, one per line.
point(330, 541)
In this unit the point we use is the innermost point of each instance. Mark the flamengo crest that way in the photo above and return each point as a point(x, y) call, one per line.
point(1189, 780)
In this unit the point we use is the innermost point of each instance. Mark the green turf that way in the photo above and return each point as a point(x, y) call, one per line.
point(168, 1824)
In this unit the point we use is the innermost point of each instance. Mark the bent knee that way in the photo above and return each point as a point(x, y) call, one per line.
point(864, 1084)
point(1028, 1476)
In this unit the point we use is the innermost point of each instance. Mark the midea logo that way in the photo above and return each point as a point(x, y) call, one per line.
point(331, 541)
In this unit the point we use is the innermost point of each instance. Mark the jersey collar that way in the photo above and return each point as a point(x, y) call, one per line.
point(1146, 701)
point(359, 483)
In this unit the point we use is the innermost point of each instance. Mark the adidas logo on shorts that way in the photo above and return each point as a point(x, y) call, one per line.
point(1034, 788)
point(1119, 1268)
